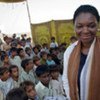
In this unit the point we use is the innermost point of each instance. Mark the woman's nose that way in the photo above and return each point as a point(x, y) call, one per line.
point(85, 30)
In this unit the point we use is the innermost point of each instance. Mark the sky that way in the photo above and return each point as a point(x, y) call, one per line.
point(14, 17)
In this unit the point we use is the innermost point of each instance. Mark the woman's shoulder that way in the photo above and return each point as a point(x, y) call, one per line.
point(70, 48)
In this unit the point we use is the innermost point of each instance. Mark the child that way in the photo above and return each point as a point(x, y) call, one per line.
point(46, 88)
point(29, 88)
point(5, 81)
point(49, 60)
point(29, 52)
point(55, 72)
point(14, 73)
point(43, 59)
point(16, 94)
point(73, 39)
point(53, 43)
point(14, 59)
point(21, 53)
point(5, 60)
point(27, 73)
point(36, 61)
point(56, 76)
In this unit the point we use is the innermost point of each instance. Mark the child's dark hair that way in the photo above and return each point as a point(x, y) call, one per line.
point(13, 49)
point(54, 68)
point(11, 67)
point(43, 53)
point(19, 50)
point(17, 94)
point(24, 63)
point(73, 37)
point(35, 58)
point(35, 48)
point(25, 84)
point(41, 69)
point(52, 38)
point(86, 9)
point(49, 55)
point(3, 56)
point(27, 49)
point(3, 70)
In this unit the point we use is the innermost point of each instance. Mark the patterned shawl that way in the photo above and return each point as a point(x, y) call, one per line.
point(90, 75)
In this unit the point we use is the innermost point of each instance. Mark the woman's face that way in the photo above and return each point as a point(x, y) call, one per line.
point(86, 27)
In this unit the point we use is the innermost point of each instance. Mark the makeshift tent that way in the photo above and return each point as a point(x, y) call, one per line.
point(18, 12)
point(9, 1)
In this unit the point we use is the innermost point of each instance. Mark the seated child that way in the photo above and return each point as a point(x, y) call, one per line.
point(49, 60)
point(15, 59)
point(56, 76)
point(5, 60)
point(14, 73)
point(46, 87)
point(55, 72)
point(21, 53)
point(43, 58)
point(29, 52)
point(36, 61)
point(5, 82)
point(16, 94)
point(27, 73)
point(29, 88)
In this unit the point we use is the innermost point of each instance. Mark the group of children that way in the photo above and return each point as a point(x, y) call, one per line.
point(44, 82)
point(30, 73)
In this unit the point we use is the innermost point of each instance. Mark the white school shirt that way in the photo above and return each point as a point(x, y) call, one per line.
point(1, 96)
point(16, 83)
point(16, 61)
point(6, 86)
point(54, 89)
point(27, 76)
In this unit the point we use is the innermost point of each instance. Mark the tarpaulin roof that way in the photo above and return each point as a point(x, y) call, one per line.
point(11, 1)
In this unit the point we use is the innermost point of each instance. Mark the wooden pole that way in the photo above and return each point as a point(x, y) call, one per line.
point(29, 20)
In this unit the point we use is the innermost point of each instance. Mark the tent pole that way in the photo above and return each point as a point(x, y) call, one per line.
point(29, 20)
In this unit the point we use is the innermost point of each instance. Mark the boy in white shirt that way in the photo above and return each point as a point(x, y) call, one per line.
point(29, 88)
point(15, 59)
point(53, 43)
point(5, 82)
point(46, 87)
point(56, 76)
point(14, 73)
point(27, 73)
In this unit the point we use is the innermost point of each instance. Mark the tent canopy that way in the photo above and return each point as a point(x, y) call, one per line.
point(9, 1)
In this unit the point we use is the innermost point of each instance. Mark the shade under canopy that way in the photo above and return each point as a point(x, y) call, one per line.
point(10, 1)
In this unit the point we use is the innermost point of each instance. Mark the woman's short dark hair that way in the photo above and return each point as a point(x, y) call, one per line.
point(86, 9)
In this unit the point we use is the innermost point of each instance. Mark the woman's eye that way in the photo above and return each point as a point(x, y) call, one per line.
point(78, 27)
point(92, 26)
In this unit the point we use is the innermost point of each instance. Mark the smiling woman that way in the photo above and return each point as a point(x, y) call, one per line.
point(81, 59)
